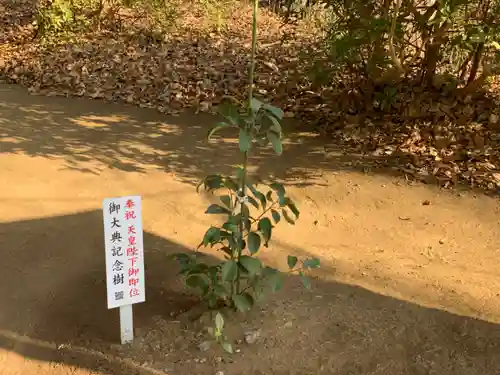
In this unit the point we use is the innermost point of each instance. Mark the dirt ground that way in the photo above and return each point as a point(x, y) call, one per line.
point(410, 276)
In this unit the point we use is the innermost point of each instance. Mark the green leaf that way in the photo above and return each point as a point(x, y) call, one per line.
point(311, 263)
point(236, 219)
point(213, 273)
point(253, 202)
point(276, 216)
point(275, 141)
point(212, 235)
point(225, 234)
point(230, 227)
point(196, 268)
point(283, 200)
point(227, 250)
point(181, 257)
point(220, 291)
point(262, 198)
point(258, 293)
point(257, 194)
point(253, 242)
point(231, 184)
point(269, 195)
point(292, 261)
point(216, 209)
point(197, 282)
point(230, 112)
point(275, 281)
point(255, 105)
point(287, 217)
point(243, 302)
point(277, 112)
point(278, 188)
point(252, 265)
point(229, 270)
point(247, 224)
point(233, 244)
point(305, 281)
point(227, 346)
point(226, 200)
point(219, 126)
point(265, 227)
point(245, 212)
point(275, 126)
point(211, 182)
point(268, 271)
point(219, 321)
point(186, 268)
point(245, 140)
point(293, 208)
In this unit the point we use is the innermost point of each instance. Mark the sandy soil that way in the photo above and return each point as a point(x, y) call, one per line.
point(405, 287)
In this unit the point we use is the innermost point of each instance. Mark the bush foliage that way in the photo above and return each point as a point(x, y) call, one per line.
point(386, 41)
point(439, 42)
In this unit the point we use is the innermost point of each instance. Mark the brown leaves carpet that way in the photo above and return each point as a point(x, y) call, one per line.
point(435, 137)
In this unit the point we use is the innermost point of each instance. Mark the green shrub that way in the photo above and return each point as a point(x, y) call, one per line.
point(250, 215)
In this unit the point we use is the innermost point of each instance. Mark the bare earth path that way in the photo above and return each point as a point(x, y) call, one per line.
point(405, 287)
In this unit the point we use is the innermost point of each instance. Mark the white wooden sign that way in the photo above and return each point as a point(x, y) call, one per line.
point(124, 248)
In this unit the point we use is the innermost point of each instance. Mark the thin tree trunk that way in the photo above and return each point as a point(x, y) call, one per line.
point(433, 55)
point(478, 56)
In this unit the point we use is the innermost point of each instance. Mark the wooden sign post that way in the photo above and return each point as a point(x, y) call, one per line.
point(124, 258)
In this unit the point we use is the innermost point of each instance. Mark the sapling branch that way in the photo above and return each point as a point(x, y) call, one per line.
point(249, 129)
point(395, 59)
point(264, 212)
point(224, 282)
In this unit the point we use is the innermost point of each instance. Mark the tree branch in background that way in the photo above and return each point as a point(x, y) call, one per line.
point(395, 59)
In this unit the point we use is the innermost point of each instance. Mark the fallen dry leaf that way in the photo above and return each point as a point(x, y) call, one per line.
point(428, 136)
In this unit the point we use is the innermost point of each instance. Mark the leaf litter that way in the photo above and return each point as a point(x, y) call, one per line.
point(428, 135)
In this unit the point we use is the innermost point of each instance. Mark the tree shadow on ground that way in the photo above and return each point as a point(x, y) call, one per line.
point(53, 298)
point(55, 290)
point(91, 136)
